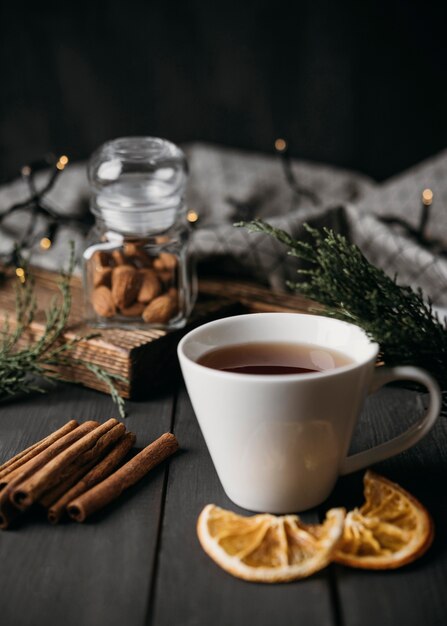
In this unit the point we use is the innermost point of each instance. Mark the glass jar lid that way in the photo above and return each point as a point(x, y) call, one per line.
point(138, 184)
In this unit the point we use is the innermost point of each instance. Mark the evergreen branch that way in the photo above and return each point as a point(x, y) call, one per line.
point(109, 379)
point(352, 289)
point(40, 359)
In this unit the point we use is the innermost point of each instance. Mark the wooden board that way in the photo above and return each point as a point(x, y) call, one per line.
point(146, 358)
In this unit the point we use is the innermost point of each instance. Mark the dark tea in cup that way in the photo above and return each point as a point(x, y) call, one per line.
point(273, 358)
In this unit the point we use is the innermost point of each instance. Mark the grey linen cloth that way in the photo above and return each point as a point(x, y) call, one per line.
point(227, 186)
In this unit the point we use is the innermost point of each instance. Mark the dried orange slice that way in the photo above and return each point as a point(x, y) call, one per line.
point(391, 529)
point(268, 548)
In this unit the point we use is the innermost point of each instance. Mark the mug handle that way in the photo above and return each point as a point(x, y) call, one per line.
point(413, 434)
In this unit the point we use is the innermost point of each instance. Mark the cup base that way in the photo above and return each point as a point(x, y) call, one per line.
point(291, 507)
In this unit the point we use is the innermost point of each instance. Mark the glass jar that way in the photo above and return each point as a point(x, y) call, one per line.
point(136, 267)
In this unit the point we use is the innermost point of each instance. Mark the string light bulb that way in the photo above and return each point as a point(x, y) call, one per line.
point(280, 145)
point(192, 216)
point(62, 162)
point(45, 243)
point(427, 197)
point(20, 273)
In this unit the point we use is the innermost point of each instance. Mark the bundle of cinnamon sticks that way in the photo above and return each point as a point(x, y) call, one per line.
point(75, 470)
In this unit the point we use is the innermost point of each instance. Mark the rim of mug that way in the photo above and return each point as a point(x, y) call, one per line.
point(277, 377)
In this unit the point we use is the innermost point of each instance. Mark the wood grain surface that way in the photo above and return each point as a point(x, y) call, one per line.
point(139, 562)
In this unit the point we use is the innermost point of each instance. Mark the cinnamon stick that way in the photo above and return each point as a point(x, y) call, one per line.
point(74, 473)
point(8, 512)
point(22, 457)
point(94, 476)
point(36, 462)
point(31, 489)
point(134, 470)
point(82, 464)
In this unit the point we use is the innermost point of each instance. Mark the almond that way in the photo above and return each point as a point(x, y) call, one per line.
point(136, 254)
point(119, 257)
point(169, 260)
point(161, 239)
point(102, 276)
point(160, 310)
point(166, 277)
point(134, 310)
point(101, 259)
point(125, 285)
point(102, 302)
point(165, 261)
point(150, 286)
point(131, 248)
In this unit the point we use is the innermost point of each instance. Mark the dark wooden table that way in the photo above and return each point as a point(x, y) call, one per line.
point(139, 562)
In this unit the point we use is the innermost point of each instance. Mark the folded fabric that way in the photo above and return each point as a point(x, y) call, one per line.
point(227, 186)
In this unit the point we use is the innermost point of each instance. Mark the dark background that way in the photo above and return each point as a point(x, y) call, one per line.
point(359, 84)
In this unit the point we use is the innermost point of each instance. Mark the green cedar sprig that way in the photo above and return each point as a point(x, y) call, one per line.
point(339, 277)
point(22, 369)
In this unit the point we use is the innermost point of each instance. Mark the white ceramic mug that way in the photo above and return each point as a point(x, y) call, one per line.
point(279, 442)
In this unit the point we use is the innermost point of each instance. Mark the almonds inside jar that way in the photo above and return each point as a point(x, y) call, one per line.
point(131, 282)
